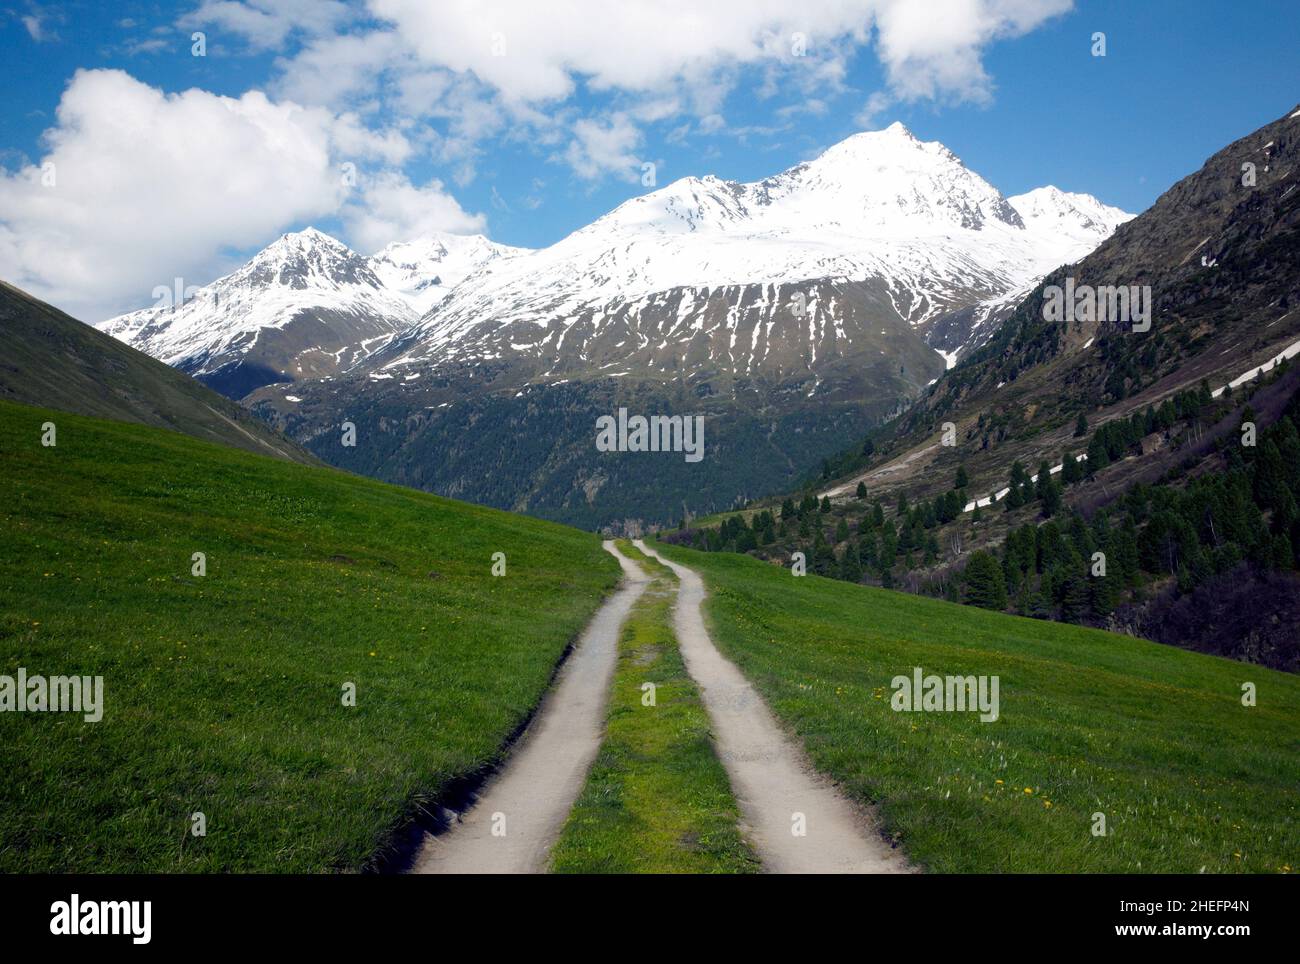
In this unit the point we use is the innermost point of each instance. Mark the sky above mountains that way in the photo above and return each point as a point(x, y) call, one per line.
point(133, 151)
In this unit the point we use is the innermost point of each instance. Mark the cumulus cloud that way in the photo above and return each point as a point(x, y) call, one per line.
point(600, 147)
point(683, 56)
point(138, 186)
point(535, 52)
point(933, 49)
point(485, 65)
point(338, 70)
point(391, 208)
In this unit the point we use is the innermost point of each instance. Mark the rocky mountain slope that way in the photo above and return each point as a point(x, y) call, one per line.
point(1218, 252)
point(1169, 443)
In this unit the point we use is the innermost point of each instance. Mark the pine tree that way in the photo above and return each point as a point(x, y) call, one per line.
point(931, 550)
point(888, 547)
point(1098, 456)
point(1044, 479)
point(862, 490)
point(1051, 498)
point(1074, 589)
point(1269, 483)
point(1071, 471)
point(1081, 426)
point(850, 564)
point(985, 585)
point(962, 480)
point(869, 550)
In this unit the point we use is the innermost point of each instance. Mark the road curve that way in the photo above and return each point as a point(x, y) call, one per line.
point(521, 810)
point(775, 785)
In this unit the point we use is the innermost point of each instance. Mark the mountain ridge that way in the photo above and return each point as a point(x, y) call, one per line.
point(792, 313)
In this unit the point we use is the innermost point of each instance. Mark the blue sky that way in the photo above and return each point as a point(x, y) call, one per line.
point(462, 117)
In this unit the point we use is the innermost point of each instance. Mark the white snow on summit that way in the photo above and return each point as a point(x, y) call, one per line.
point(879, 205)
point(423, 271)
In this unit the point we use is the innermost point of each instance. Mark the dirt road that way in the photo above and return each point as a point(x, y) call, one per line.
point(519, 814)
point(779, 792)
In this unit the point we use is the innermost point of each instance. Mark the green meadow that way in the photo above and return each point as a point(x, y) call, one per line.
point(227, 694)
point(1154, 738)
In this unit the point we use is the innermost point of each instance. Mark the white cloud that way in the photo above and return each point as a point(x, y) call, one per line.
point(149, 186)
point(869, 116)
point(536, 51)
point(683, 56)
point(600, 148)
point(391, 209)
point(335, 70)
point(533, 51)
point(933, 49)
point(491, 66)
point(353, 140)
point(266, 24)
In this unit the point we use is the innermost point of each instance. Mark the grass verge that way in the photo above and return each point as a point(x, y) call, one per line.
point(1155, 738)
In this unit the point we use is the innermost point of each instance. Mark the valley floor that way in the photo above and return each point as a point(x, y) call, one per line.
point(350, 652)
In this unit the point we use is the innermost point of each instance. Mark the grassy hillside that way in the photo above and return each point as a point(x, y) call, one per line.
point(1155, 738)
point(55, 361)
point(224, 693)
point(657, 799)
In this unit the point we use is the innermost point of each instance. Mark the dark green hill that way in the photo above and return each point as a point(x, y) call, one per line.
point(52, 360)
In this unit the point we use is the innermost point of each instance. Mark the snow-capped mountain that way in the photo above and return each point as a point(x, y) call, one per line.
point(879, 235)
point(792, 313)
point(1080, 218)
point(423, 271)
point(306, 306)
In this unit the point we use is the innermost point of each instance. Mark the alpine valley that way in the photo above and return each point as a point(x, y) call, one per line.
point(792, 314)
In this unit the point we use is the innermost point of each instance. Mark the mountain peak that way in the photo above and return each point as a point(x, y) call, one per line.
point(425, 268)
point(308, 237)
point(1067, 214)
point(891, 179)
